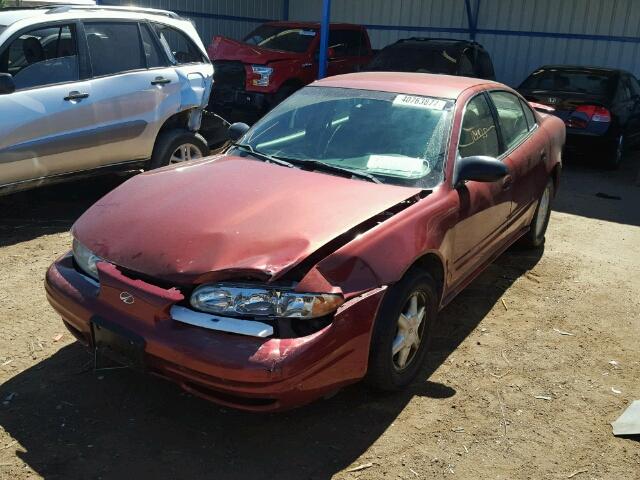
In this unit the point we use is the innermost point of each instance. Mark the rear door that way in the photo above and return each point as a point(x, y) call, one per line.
point(524, 150)
point(484, 206)
point(134, 88)
point(350, 49)
point(46, 124)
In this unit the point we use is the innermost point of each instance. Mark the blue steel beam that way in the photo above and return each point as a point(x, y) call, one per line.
point(324, 38)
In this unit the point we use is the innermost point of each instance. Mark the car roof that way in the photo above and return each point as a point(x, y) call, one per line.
point(427, 84)
point(582, 68)
point(314, 25)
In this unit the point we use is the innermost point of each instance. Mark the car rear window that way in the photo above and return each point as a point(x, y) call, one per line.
point(416, 58)
point(575, 81)
point(288, 39)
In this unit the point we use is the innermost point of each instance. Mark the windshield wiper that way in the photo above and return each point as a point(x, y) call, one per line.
point(335, 168)
point(262, 156)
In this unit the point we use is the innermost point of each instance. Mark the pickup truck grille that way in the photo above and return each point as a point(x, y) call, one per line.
point(228, 75)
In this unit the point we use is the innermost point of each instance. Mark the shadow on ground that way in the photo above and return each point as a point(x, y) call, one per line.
point(589, 190)
point(51, 209)
point(75, 423)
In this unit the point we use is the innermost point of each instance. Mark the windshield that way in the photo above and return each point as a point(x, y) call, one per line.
point(416, 58)
point(286, 39)
point(399, 139)
point(576, 81)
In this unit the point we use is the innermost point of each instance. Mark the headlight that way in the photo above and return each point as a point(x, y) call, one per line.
point(85, 259)
point(262, 75)
point(236, 299)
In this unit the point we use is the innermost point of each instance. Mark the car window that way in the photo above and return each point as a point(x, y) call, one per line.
point(567, 80)
point(401, 139)
point(528, 114)
point(44, 56)
point(484, 66)
point(415, 57)
point(465, 67)
point(151, 51)
point(478, 135)
point(178, 46)
point(511, 119)
point(624, 90)
point(635, 86)
point(287, 39)
point(346, 42)
point(114, 48)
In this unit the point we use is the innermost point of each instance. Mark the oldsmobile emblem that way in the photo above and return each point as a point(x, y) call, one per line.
point(127, 298)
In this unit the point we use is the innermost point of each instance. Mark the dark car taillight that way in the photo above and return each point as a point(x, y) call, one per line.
point(584, 114)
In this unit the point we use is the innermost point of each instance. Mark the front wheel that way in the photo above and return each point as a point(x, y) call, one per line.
point(177, 146)
point(402, 332)
point(534, 238)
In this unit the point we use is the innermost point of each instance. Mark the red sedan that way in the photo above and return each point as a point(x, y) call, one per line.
point(318, 250)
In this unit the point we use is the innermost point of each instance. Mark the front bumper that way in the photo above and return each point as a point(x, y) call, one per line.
point(223, 99)
point(250, 373)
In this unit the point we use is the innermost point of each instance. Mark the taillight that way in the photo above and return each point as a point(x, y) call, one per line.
point(584, 114)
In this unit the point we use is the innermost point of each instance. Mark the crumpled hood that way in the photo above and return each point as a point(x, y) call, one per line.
point(223, 48)
point(227, 217)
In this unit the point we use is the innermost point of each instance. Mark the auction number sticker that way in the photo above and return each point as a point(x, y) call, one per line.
point(419, 102)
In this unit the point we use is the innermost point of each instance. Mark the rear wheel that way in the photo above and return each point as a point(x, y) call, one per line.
point(177, 146)
point(402, 332)
point(615, 153)
point(534, 238)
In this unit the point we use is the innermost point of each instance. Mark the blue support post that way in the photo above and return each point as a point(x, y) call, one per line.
point(285, 9)
point(472, 17)
point(324, 38)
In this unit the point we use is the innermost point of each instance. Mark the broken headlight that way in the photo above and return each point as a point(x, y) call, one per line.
point(85, 259)
point(239, 300)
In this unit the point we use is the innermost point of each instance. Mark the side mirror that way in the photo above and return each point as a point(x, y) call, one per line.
point(237, 130)
point(7, 84)
point(479, 169)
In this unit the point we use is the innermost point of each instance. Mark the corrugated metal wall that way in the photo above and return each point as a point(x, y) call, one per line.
point(212, 16)
point(514, 55)
point(520, 35)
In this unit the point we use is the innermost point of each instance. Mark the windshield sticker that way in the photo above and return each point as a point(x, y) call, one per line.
point(419, 102)
point(308, 33)
point(396, 163)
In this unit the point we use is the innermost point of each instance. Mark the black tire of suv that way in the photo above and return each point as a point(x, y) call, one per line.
point(168, 142)
point(382, 373)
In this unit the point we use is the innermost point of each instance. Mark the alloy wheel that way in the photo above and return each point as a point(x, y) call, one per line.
point(184, 153)
point(409, 331)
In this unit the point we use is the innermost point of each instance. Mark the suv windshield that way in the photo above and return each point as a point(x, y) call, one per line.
point(575, 81)
point(287, 39)
point(405, 57)
point(399, 139)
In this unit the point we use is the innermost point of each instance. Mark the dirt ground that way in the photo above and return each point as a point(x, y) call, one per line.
point(505, 394)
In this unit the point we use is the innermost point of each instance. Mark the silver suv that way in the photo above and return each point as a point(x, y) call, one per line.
point(85, 89)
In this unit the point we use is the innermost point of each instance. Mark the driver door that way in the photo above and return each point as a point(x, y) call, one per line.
point(483, 206)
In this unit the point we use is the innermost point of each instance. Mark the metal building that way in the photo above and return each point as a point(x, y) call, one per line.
point(520, 35)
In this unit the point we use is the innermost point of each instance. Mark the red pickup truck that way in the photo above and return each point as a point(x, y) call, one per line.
point(278, 58)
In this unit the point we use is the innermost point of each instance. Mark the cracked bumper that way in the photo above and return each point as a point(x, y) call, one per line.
point(260, 374)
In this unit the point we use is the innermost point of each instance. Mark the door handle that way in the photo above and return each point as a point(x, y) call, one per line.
point(507, 182)
point(160, 81)
point(75, 95)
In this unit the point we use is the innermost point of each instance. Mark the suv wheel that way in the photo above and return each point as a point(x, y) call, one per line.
point(176, 146)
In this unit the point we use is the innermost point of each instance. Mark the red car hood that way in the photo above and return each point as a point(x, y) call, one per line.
point(223, 48)
point(227, 217)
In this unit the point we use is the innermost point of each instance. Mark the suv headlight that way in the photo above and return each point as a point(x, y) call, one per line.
point(262, 74)
point(238, 299)
point(85, 259)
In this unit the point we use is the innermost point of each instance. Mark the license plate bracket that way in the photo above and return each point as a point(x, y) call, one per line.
point(118, 344)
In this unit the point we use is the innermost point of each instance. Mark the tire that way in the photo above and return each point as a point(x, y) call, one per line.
point(167, 149)
point(386, 371)
point(615, 153)
point(534, 238)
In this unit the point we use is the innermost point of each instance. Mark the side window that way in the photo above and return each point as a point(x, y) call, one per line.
point(528, 114)
point(624, 93)
point(478, 135)
point(513, 124)
point(114, 48)
point(465, 66)
point(45, 56)
point(484, 66)
point(635, 86)
point(346, 42)
point(177, 45)
point(151, 52)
